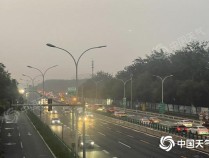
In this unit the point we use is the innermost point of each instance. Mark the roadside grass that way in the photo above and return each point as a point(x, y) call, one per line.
point(54, 143)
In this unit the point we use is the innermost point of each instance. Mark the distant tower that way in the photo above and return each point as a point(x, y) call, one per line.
point(92, 67)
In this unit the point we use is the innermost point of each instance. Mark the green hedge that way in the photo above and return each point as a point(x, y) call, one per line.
point(57, 147)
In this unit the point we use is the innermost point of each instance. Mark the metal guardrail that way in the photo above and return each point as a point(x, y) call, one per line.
point(161, 115)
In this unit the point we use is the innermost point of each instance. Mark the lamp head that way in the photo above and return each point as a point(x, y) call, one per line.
point(50, 45)
point(101, 46)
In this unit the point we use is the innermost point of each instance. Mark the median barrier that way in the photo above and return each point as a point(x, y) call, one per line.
point(162, 115)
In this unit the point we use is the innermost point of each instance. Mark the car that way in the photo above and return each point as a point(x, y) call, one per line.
point(66, 111)
point(101, 108)
point(89, 115)
point(154, 120)
point(89, 143)
point(56, 121)
point(144, 120)
point(111, 109)
point(206, 124)
point(179, 129)
point(120, 113)
point(186, 123)
point(53, 112)
point(199, 130)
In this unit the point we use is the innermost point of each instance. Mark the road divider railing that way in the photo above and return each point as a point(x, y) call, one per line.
point(155, 129)
point(161, 115)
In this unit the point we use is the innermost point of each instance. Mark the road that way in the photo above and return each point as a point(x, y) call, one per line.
point(21, 140)
point(120, 142)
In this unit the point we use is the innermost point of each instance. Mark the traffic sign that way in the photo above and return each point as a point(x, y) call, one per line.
point(161, 108)
point(72, 91)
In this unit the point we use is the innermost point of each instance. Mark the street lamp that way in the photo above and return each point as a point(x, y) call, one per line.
point(75, 62)
point(43, 75)
point(162, 79)
point(32, 80)
point(124, 92)
point(76, 68)
point(131, 90)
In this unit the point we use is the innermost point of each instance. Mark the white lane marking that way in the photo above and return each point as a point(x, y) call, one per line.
point(130, 136)
point(8, 128)
point(21, 145)
point(19, 134)
point(29, 134)
point(96, 145)
point(9, 135)
point(124, 144)
point(101, 133)
point(114, 157)
point(10, 144)
point(149, 135)
point(105, 151)
point(144, 141)
point(104, 123)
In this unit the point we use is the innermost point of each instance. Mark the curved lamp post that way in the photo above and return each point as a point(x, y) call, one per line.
point(75, 62)
point(124, 92)
point(43, 75)
point(32, 80)
point(163, 79)
point(76, 70)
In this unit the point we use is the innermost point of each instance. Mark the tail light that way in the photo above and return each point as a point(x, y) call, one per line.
point(178, 129)
point(186, 129)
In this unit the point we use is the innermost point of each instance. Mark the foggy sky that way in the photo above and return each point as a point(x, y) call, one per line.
point(129, 28)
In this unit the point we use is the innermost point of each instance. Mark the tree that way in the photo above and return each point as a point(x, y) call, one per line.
point(8, 86)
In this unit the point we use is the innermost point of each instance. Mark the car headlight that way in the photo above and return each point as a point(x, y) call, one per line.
point(53, 121)
point(58, 121)
point(82, 143)
point(92, 143)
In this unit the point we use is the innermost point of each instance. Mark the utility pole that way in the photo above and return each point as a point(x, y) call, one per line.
point(92, 67)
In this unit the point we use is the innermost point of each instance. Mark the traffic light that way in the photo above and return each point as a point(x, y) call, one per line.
point(50, 101)
point(49, 106)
